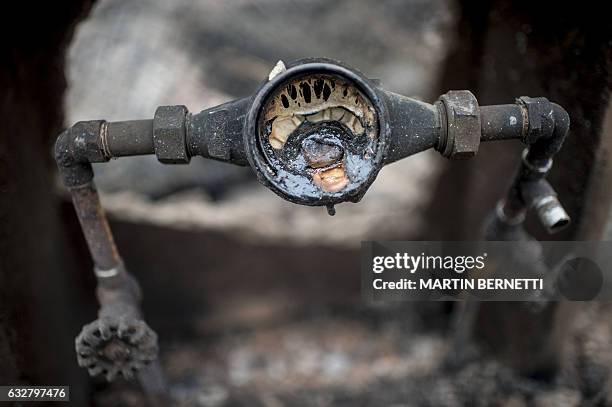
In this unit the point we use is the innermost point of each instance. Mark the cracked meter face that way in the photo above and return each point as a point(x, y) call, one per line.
point(318, 134)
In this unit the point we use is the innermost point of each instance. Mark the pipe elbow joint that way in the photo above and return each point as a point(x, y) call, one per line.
point(76, 148)
point(547, 126)
point(562, 124)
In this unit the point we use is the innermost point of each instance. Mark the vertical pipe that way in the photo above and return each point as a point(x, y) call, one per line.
point(106, 257)
point(154, 385)
point(95, 226)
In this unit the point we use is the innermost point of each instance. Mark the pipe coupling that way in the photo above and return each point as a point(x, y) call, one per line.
point(460, 125)
point(170, 134)
point(538, 118)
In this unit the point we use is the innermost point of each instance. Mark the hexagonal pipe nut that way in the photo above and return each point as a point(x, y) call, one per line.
point(169, 134)
point(539, 117)
point(462, 125)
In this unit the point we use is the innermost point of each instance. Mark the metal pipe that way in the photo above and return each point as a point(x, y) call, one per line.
point(365, 128)
point(133, 137)
point(552, 214)
point(515, 205)
point(549, 143)
point(154, 385)
point(540, 196)
point(544, 130)
point(415, 126)
point(501, 122)
point(95, 226)
point(217, 132)
point(119, 342)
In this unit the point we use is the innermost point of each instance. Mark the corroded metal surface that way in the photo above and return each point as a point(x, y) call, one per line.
point(317, 133)
point(116, 347)
point(169, 135)
point(95, 226)
point(460, 138)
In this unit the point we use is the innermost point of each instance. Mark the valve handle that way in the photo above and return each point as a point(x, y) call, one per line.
point(116, 346)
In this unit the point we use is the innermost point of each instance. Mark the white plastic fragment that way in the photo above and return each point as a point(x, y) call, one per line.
point(278, 69)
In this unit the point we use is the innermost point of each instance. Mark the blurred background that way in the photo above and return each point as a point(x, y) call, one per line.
point(257, 301)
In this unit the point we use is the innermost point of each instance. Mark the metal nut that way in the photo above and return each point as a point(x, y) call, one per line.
point(462, 125)
point(169, 134)
point(539, 117)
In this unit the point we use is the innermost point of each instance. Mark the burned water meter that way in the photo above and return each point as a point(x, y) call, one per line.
point(316, 133)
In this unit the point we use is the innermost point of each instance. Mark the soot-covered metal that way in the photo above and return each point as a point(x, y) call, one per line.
point(320, 132)
point(315, 133)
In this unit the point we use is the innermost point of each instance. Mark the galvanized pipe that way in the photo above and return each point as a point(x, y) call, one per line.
point(217, 133)
point(545, 127)
point(454, 125)
point(540, 196)
point(502, 122)
point(127, 138)
point(415, 126)
point(550, 141)
point(95, 226)
point(118, 342)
